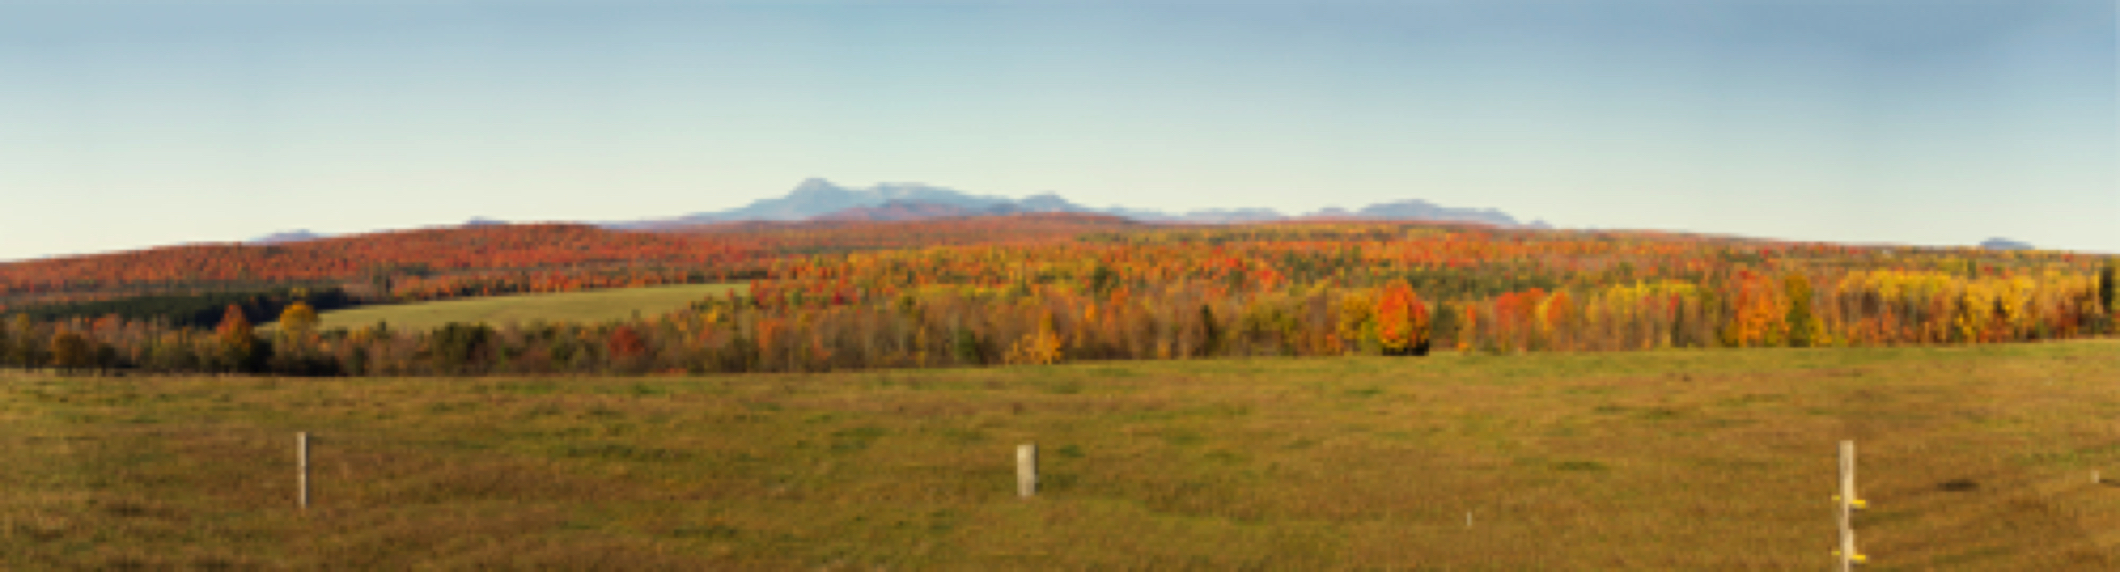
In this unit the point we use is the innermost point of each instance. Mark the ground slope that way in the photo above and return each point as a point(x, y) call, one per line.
point(1971, 458)
point(578, 307)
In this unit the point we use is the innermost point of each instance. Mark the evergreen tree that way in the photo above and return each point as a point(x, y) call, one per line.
point(967, 348)
point(461, 349)
point(1102, 280)
point(107, 358)
point(2106, 285)
point(1211, 334)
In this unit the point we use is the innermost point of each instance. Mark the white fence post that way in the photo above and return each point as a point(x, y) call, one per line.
point(1846, 505)
point(301, 450)
point(1026, 470)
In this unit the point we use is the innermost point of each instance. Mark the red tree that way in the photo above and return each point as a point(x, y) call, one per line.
point(626, 343)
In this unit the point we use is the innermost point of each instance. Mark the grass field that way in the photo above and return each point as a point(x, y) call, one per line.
point(1972, 458)
point(579, 307)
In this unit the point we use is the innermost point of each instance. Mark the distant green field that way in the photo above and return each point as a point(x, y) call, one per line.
point(579, 307)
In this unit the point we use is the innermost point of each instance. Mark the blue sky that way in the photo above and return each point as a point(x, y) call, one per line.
point(128, 124)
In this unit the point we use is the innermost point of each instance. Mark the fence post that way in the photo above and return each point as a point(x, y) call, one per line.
point(301, 450)
point(1846, 503)
point(1026, 470)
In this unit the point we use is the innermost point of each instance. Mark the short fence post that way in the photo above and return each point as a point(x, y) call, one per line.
point(301, 450)
point(1026, 470)
point(1847, 503)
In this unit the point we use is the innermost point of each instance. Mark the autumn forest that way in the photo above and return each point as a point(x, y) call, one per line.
point(1024, 289)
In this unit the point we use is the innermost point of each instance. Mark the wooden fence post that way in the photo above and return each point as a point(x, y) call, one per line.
point(1026, 470)
point(301, 449)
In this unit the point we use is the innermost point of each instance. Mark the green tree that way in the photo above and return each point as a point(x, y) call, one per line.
point(1803, 325)
point(1102, 280)
point(462, 349)
point(2104, 303)
point(967, 348)
point(1211, 334)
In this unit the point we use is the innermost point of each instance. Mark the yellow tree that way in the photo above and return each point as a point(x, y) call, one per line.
point(298, 319)
point(1041, 347)
point(1357, 321)
point(1468, 326)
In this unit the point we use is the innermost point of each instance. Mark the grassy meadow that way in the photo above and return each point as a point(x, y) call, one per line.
point(1972, 458)
point(579, 307)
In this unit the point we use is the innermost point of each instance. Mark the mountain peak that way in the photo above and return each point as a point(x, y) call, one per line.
point(816, 198)
point(815, 186)
point(1999, 243)
point(286, 236)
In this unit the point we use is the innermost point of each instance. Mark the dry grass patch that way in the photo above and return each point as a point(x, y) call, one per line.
point(1972, 458)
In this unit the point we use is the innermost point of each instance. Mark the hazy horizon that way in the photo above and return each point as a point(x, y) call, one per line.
point(1921, 123)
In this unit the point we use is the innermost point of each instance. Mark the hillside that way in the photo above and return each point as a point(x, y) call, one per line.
point(1971, 458)
point(590, 307)
point(550, 253)
point(1042, 288)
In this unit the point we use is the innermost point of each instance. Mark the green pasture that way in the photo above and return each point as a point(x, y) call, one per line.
point(1971, 458)
point(578, 307)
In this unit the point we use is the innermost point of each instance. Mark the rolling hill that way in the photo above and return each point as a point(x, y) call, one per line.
point(590, 307)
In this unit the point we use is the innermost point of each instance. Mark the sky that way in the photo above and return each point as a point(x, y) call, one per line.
point(128, 124)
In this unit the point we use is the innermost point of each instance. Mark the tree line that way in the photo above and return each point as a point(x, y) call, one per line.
point(1313, 289)
point(204, 310)
point(961, 326)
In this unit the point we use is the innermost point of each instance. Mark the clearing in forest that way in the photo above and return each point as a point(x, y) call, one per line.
point(576, 307)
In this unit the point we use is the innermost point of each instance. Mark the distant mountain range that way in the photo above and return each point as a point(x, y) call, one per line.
point(301, 234)
point(2005, 244)
point(821, 201)
point(818, 199)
